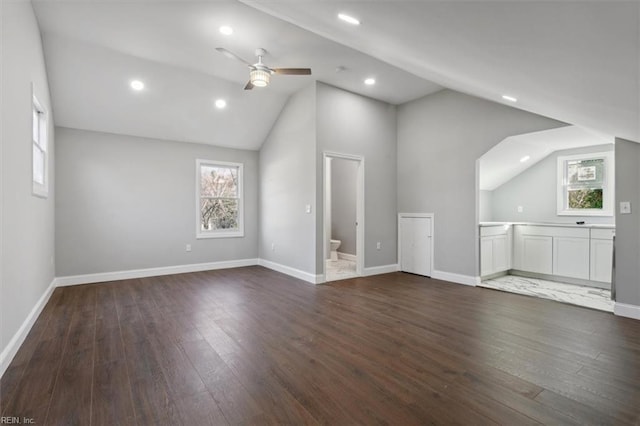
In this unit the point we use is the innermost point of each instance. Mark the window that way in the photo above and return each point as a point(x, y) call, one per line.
point(219, 199)
point(39, 168)
point(585, 184)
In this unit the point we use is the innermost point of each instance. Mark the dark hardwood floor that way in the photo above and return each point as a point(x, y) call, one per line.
point(252, 346)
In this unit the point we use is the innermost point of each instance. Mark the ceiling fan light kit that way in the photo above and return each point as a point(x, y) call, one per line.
point(259, 73)
point(259, 78)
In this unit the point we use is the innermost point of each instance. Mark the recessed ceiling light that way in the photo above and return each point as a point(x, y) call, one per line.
point(348, 19)
point(525, 159)
point(221, 103)
point(509, 98)
point(226, 30)
point(370, 81)
point(137, 85)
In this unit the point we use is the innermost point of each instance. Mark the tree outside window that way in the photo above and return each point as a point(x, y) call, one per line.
point(219, 199)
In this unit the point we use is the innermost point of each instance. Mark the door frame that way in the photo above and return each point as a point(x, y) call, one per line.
point(419, 215)
point(360, 206)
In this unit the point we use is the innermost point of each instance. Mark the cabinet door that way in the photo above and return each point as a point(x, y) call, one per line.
point(486, 256)
point(536, 254)
point(501, 253)
point(571, 257)
point(601, 260)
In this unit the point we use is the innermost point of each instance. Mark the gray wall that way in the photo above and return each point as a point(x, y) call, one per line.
point(344, 174)
point(485, 205)
point(628, 225)
point(288, 184)
point(126, 203)
point(440, 137)
point(353, 124)
point(535, 190)
point(27, 222)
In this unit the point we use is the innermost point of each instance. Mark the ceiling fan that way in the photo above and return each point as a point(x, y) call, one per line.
point(259, 73)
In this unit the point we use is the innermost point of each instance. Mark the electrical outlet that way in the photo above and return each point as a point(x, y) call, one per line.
point(307, 208)
point(625, 207)
point(520, 209)
point(378, 245)
point(188, 248)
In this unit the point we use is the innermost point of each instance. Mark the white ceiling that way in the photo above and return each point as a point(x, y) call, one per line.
point(502, 162)
point(577, 62)
point(94, 49)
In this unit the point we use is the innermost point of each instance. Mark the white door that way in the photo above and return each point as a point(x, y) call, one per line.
point(415, 245)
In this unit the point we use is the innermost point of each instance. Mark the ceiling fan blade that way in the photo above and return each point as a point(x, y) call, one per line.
point(249, 86)
point(231, 55)
point(292, 71)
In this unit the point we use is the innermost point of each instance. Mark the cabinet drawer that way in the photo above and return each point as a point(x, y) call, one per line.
point(489, 231)
point(603, 234)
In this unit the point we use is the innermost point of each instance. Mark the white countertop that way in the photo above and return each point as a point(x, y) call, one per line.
point(564, 225)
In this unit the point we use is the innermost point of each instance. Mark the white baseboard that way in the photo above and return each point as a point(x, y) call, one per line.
point(377, 270)
point(296, 273)
point(347, 256)
point(455, 278)
point(16, 341)
point(626, 310)
point(151, 272)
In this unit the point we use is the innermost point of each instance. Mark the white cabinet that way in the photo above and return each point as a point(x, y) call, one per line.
point(532, 249)
point(495, 249)
point(552, 250)
point(415, 244)
point(601, 255)
point(535, 253)
point(564, 251)
point(571, 256)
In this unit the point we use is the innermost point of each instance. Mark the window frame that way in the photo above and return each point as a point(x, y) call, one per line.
point(220, 233)
point(607, 185)
point(39, 113)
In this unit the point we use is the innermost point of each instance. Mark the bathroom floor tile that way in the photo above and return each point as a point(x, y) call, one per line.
point(340, 269)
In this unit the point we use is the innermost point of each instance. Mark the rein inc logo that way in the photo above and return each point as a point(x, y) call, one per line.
point(7, 420)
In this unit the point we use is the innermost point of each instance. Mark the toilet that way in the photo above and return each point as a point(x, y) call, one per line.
point(334, 249)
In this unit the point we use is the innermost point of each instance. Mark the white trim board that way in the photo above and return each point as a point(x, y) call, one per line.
point(151, 272)
point(18, 339)
point(347, 256)
point(456, 278)
point(377, 270)
point(293, 272)
point(626, 310)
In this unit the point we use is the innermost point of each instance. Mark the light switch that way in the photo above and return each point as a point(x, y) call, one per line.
point(625, 207)
point(520, 209)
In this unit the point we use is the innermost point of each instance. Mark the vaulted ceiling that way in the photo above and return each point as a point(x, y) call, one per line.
point(577, 62)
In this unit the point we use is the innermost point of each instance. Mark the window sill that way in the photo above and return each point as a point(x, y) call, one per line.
point(603, 213)
point(219, 234)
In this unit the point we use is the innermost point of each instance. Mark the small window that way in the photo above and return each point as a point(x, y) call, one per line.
point(585, 184)
point(40, 167)
point(219, 199)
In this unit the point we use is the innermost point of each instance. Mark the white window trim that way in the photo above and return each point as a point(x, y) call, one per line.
point(221, 233)
point(607, 184)
point(40, 189)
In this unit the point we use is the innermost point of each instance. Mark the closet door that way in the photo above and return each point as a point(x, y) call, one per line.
point(415, 245)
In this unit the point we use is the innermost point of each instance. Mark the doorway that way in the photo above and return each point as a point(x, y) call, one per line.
point(343, 252)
